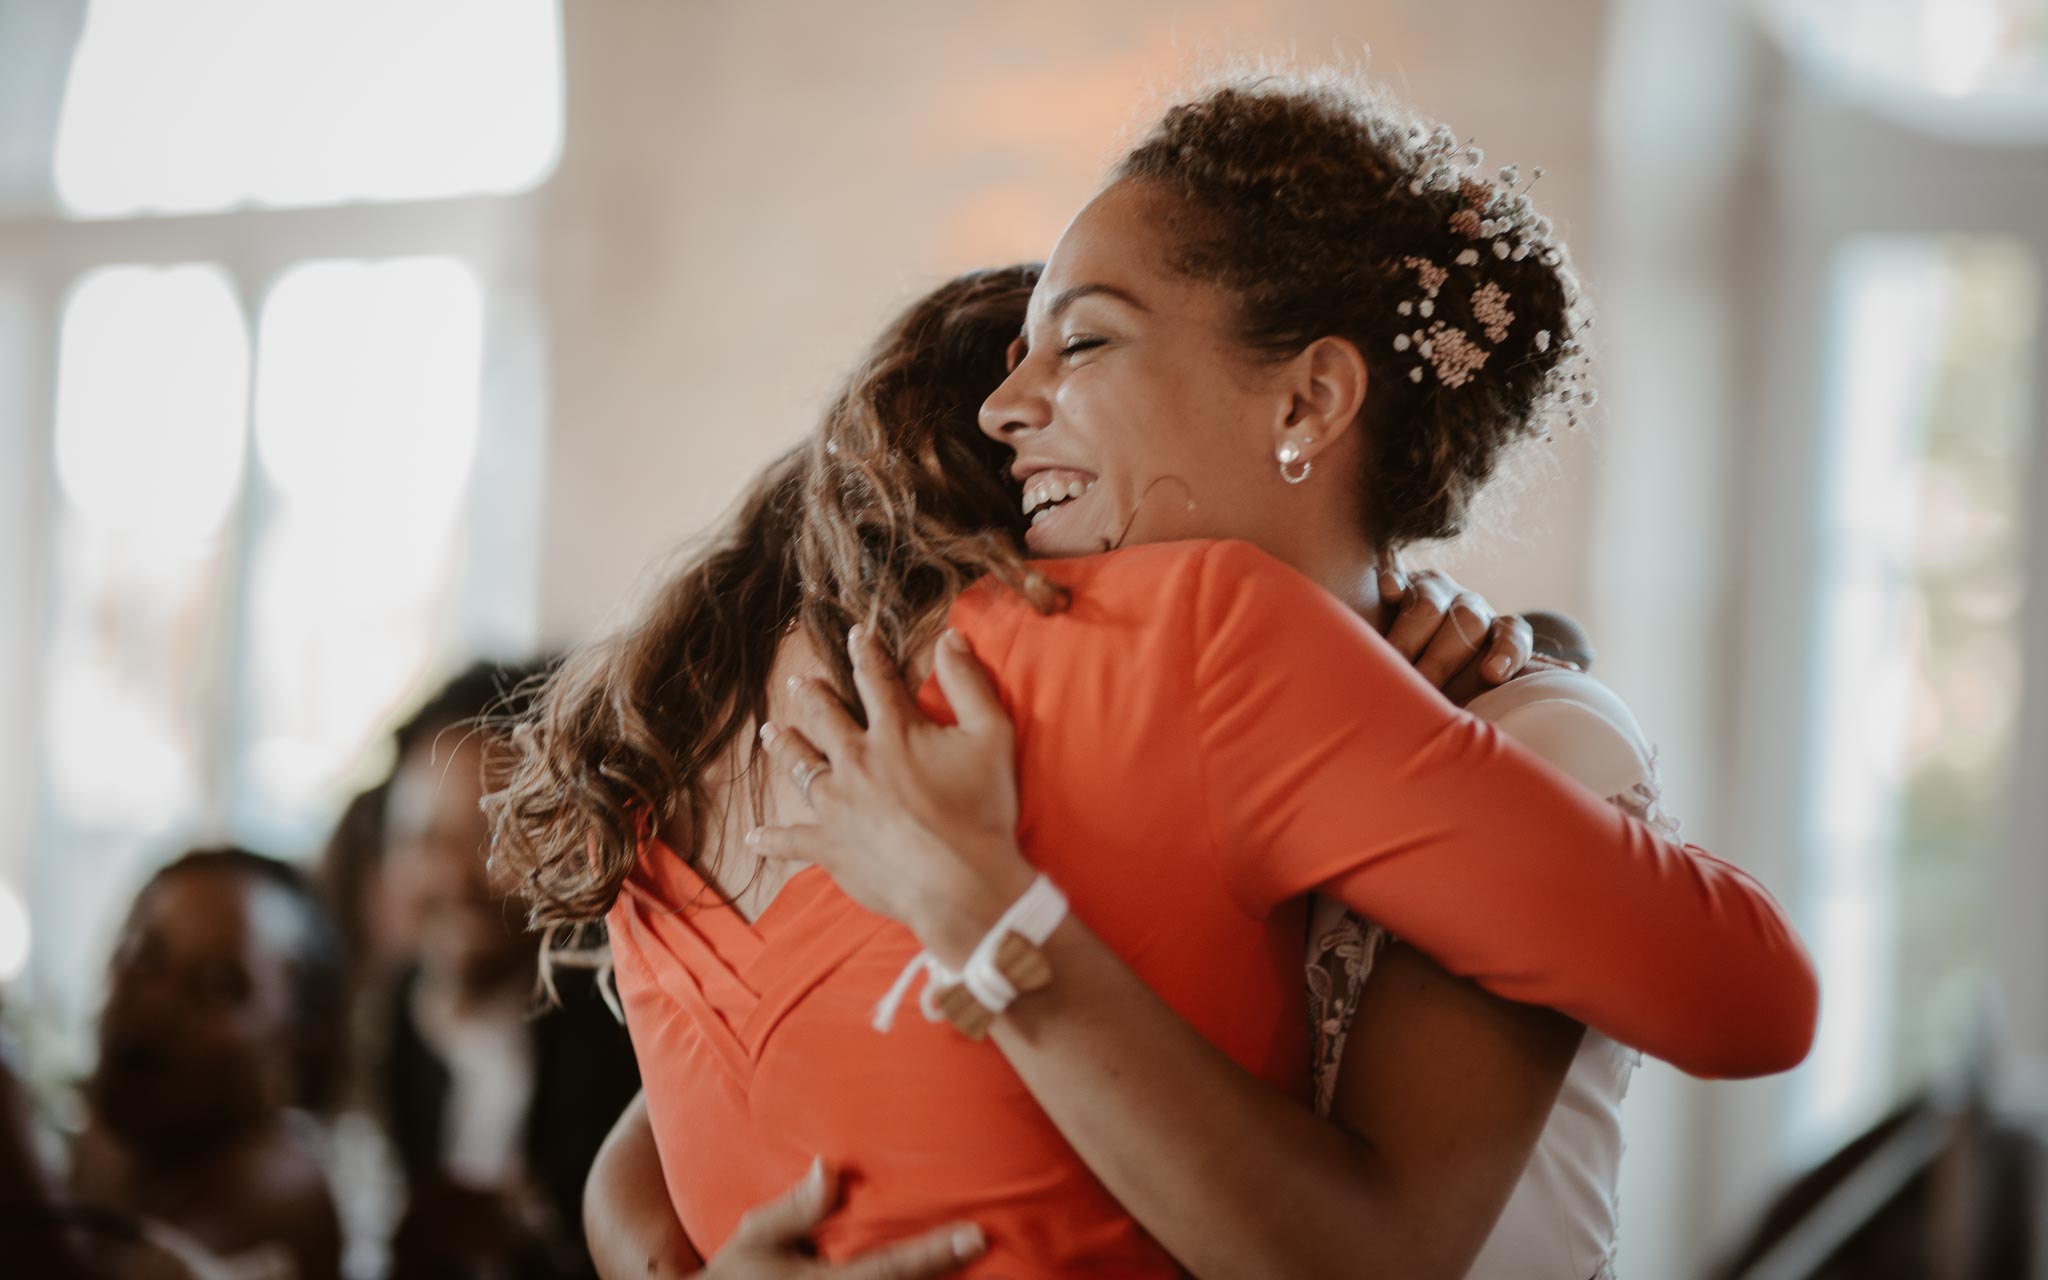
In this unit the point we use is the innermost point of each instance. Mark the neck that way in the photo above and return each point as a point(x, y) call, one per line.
point(154, 1158)
point(464, 989)
point(1345, 566)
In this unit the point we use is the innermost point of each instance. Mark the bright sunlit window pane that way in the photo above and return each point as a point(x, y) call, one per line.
point(152, 394)
point(152, 389)
point(1924, 521)
point(150, 434)
point(208, 104)
point(366, 424)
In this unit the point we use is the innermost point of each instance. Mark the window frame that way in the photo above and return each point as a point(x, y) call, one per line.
point(495, 607)
point(1842, 169)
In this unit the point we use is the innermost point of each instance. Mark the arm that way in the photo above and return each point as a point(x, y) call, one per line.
point(1238, 1179)
point(627, 1217)
point(1370, 789)
point(1234, 1177)
point(1468, 846)
point(634, 1233)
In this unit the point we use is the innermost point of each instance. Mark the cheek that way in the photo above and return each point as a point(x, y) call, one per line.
point(1195, 429)
point(1129, 417)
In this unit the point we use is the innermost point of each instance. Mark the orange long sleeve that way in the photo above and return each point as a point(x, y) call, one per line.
point(1331, 765)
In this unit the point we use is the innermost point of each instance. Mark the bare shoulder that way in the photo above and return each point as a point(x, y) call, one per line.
point(1574, 722)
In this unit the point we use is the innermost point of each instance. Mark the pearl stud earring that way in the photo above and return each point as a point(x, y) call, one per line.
point(1290, 453)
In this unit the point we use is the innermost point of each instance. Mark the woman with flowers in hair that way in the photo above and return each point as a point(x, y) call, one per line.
point(1292, 334)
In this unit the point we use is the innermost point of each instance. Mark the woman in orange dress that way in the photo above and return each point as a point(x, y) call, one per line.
point(1203, 736)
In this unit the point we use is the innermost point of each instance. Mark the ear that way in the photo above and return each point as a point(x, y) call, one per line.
point(1324, 387)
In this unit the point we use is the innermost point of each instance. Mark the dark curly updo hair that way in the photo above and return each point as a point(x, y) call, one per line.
point(1328, 210)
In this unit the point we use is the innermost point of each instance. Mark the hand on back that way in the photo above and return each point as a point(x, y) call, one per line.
point(773, 1242)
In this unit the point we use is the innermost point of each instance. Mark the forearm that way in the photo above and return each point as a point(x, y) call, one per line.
point(1233, 1177)
point(1565, 903)
point(628, 1219)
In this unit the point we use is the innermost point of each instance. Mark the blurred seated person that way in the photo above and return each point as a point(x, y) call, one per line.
point(222, 1019)
point(497, 1098)
point(351, 877)
point(368, 1186)
point(36, 1233)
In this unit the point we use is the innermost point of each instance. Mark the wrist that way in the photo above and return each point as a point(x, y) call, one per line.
point(956, 914)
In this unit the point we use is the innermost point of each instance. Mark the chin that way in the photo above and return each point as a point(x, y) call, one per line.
point(169, 1121)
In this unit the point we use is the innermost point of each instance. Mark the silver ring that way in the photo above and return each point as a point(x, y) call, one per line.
point(809, 774)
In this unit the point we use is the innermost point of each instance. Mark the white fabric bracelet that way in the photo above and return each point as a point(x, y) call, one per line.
point(1032, 916)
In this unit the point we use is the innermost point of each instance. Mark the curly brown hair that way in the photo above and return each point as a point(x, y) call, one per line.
point(1322, 206)
point(893, 506)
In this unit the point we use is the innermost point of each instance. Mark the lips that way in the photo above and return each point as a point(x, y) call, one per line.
point(135, 1057)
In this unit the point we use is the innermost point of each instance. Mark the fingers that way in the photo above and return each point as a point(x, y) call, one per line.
point(803, 842)
point(790, 751)
point(877, 680)
point(1508, 643)
point(968, 688)
point(1422, 613)
point(795, 1213)
point(932, 1254)
point(1509, 649)
point(816, 710)
point(1464, 633)
point(1393, 587)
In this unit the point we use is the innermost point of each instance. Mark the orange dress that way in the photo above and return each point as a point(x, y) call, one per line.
point(1203, 738)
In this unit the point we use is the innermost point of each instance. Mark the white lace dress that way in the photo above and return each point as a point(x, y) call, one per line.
point(1561, 1223)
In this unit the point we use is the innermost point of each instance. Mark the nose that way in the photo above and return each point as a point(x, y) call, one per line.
point(1017, 406)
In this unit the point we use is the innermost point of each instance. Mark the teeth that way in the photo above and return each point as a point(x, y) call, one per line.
point(1045, 494)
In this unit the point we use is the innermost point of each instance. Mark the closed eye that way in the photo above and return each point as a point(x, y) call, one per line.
point(1078, 345)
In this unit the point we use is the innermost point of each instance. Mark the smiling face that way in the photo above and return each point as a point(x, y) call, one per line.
point(195, 1038)
point(1135, 414)
point(464, 928)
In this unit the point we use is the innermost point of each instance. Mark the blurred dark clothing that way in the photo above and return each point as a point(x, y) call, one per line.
point(583, 1076)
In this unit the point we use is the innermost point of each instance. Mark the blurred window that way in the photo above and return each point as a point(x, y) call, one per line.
point(210, 104)
point(366, 426)
point(1923, 526)
point(152, 395)
point(295, 457)
point(151, 423)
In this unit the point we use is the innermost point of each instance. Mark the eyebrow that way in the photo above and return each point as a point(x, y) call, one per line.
point(1080, 291)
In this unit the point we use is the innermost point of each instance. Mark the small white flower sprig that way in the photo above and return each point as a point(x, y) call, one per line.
point(1500, 217)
